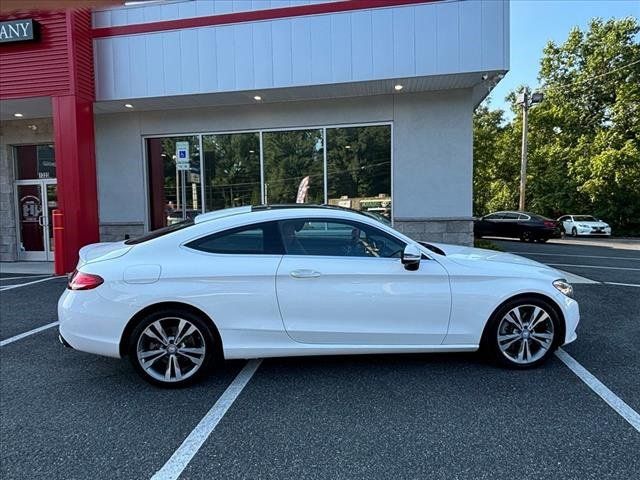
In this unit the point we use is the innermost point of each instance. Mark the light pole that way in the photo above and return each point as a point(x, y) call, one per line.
point(527, 100)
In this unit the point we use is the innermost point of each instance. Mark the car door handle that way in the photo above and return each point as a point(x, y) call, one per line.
point(305, 273)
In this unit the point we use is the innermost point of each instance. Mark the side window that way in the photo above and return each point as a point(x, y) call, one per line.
point(522, 216)
point(510, 216)
point(494, 216)
point(257, 239)
point(338, 238)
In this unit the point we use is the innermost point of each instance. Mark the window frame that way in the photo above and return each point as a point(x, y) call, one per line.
point(351, 222)
point(231, 230)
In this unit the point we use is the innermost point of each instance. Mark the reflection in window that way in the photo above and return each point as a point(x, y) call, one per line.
point(172, 199)
point(359, 168)
point(293, 166)
point(35, 161)
point(231, 170)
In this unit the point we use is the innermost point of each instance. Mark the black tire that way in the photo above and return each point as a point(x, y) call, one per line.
point(490, 344)
point(526, 236)
point(171, 317)
point(574, 232)
point(543, 239)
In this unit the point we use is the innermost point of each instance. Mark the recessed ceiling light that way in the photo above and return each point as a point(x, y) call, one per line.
point(398, 87)
point(128, 105)
point(18, 115)
point(257, 98)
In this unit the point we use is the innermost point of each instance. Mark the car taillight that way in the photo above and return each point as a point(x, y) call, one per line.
point(84, 281)
point(549, 224)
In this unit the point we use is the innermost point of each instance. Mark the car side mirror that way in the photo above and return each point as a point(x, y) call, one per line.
point(411, 257)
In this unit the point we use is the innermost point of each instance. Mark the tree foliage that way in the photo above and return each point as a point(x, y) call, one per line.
point(584, 138)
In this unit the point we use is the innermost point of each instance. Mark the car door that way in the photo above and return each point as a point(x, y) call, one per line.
point(342, 282)
point(509, 226)
point(488, 225)
point(231, 275)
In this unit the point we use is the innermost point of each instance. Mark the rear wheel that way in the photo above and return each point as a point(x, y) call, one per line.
point(522, 333)
point(171, 348)
point(526, 236)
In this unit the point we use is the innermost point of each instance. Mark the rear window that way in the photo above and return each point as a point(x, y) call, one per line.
point(160, 232)
point(256, 239)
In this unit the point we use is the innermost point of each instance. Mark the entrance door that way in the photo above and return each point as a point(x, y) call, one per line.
point(35, 201)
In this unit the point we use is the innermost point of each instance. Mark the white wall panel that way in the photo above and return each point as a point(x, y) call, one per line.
point(361, 47)
point(448, 37)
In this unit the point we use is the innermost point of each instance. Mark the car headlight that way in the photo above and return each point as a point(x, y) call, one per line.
point(563, 287)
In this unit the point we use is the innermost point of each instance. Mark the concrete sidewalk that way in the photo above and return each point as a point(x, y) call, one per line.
point(27, 268)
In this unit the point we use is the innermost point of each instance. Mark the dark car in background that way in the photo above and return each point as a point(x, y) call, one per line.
point(526, 226)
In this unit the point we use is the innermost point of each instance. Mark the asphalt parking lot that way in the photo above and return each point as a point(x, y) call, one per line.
point(66, 414)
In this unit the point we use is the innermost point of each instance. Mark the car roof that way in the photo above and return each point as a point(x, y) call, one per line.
point(228, 212)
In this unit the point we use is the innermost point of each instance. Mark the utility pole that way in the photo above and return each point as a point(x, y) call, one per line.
point(526, 100)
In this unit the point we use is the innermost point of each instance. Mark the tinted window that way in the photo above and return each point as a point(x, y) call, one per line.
point(338, 238)
point(260, 238)
point(584, 218)
point(522, 216)
point(160, 232)
point(510, 216)
point(494, 216)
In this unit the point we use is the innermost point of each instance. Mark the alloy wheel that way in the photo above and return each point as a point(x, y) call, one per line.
point(525, 334)
point(171, 349)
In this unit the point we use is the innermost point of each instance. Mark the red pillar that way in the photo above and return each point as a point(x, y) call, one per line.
point(76, 173)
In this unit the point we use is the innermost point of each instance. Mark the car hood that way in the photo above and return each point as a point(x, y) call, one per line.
point(98, 252)
point(468, 256)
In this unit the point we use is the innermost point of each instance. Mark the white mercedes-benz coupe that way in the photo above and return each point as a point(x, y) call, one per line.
point(270, 281)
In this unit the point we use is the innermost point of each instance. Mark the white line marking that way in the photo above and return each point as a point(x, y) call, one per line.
point(573, 278)
point(4, 279)
point(615, 402)
point(26, 334)
point(524, 253)
point(622, 284)
point(185, 452)
point(11, 287)
point(592, 266)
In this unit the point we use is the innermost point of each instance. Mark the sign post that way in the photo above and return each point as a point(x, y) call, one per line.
point(183, 166)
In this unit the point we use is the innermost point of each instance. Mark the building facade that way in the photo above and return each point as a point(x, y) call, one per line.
point(131, 118)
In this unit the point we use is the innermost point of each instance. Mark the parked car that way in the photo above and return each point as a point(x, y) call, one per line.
point(272, 281)
point(526, 226)
point(575, 225)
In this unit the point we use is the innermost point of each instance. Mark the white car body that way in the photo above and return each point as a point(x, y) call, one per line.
point(584, 225)
point(338, 305)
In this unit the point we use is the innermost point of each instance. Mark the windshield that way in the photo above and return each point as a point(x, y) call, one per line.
point(584, 218)
point(160, 232)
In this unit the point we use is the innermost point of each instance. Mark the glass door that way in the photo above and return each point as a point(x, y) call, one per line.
point(35, 200)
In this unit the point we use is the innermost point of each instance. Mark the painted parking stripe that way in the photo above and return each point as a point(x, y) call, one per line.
point(593, 266)
point(26, 334)
point(11, 287)
point(185, 452)
point(572, 255)
point(623, 284)
point(4, 279)
point(615, 402)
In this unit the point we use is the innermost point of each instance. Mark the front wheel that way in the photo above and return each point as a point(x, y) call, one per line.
point(574, 232)
point(171, 348)
point(522, 333)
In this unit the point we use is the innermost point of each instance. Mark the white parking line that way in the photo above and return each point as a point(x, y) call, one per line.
point(623, 284)
point(185, 452)
point(11, 287)
point(593, 266)
point(615, 402)
point(4, 279)
point(26, 334)
point(524, 253)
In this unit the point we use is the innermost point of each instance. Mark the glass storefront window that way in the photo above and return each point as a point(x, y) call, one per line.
point(35, 162)
point(231, 170)
point(174, 195)
point(358, 171)
point(293, 166)
point(359, 168)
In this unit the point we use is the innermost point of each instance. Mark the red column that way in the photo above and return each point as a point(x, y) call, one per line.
point(76, 174)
